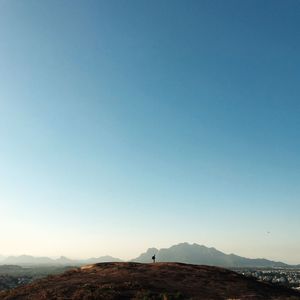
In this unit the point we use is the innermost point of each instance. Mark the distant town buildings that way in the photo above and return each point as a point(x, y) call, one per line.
point(286, 277)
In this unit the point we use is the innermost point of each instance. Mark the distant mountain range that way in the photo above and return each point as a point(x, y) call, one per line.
point(24, 260)
point(202, 255)
point(184, 252)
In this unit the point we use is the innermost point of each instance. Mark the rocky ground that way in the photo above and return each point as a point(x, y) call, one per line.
point(165, 281)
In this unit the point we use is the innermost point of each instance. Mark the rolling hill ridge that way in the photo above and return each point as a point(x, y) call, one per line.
point(164, 281)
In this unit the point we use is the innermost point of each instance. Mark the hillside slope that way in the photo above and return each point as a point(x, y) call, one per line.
point(148, 281)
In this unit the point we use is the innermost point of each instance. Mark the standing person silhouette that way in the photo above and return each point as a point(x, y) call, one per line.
point(153, 258)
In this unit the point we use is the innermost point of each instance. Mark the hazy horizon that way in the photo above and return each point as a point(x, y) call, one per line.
point(2, 257)
point(126, 125)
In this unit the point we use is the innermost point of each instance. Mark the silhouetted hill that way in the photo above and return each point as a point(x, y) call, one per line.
point(28, 260)
point(148, 281)
point(202, 255)
point(106, 258)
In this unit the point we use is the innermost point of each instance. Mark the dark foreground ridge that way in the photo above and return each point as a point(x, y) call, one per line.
point(164, 281)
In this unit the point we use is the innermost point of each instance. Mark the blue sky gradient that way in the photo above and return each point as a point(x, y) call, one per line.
point(131, 124)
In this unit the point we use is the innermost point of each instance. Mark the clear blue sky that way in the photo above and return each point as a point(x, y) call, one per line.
point(131, 124)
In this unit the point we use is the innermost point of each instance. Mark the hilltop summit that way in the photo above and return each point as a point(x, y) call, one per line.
point(148, 281)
